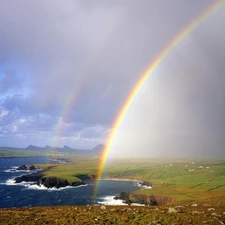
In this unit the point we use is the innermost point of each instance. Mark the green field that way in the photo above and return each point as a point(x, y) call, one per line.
point(17, 152)
point(197, 190)
point(182, 180)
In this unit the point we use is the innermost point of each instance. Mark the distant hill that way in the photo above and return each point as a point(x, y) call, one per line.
point(98, 149)
point(33, 147)
point(66, 149)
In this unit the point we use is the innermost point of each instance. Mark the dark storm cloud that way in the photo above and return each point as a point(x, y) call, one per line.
point(180, 110)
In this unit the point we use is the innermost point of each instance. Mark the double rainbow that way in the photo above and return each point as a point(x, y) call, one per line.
point(144, 77)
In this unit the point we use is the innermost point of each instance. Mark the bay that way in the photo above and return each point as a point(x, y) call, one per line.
point(26, 195)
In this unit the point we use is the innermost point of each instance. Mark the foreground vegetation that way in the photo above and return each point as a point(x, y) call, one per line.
point(187, 192)
point(121, 215)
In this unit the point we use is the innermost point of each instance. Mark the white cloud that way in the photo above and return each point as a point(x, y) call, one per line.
point(3, 113)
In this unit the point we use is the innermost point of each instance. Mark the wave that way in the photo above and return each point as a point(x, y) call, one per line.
point(42, 187)
point(14, 169)
point(109, 200)
point(13, 182)
point(10, 182)
point(33, 186)
point(143, 186)
point(137, 204)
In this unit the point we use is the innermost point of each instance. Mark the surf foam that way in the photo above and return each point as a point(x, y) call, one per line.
point(42, 187)
point(109, 200)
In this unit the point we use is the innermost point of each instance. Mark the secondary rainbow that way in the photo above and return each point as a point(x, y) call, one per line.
point(144, 77)
point(73, 95)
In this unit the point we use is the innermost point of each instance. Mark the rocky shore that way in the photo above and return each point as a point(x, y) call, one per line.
point(39, 178)
point(144, 199)
point(25, 167)
point(28, 167)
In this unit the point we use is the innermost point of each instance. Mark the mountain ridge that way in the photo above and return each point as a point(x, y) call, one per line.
point(65, 148)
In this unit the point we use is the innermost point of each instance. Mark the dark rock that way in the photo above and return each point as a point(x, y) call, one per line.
point(144, 183)
point(27, 167)
point(49, 182)
point(29, 178)
point(143, 199)
point(125, 197)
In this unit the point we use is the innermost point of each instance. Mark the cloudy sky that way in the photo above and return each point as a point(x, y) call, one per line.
point(67, 67)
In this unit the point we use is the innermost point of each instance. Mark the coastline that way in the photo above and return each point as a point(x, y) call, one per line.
point(119, 179)
point(15, 157)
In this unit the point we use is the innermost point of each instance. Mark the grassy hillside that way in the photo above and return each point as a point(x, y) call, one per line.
point(196, 187)
point(182, 180)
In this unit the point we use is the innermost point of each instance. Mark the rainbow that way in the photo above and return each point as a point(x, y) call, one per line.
point(60, 125)
point(74, 93)
point(144, 77)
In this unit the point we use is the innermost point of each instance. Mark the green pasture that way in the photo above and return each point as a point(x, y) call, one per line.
point(11, 152)
point(183, 180)
point(71, 171)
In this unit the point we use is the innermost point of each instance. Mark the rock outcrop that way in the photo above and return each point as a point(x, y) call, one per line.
point(151, 200)
point(144, 184)
point(125, 197)
point(55, 182)
point(34, 177)
point(39, 178)
point(27, 167)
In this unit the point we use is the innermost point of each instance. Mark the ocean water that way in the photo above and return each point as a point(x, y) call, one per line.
point(26, 194)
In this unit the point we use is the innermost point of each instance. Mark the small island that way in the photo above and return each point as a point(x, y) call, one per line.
point(28, 167)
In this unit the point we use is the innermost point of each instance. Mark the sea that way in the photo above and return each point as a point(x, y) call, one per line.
point(26, 194)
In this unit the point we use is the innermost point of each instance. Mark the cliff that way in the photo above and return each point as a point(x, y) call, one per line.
point(39, 178)
point(51, 182)
point(151, 200)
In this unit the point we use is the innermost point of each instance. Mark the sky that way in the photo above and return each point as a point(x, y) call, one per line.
point(67, 67)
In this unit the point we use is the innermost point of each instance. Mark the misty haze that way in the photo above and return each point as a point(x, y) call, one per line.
point(107, 103)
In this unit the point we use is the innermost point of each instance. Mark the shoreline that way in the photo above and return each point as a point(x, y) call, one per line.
point(142, 183)
point(120, 179)
point(15, 157)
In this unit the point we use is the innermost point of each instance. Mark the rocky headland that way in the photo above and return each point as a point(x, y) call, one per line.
point(39, 178)
point(144, 199)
